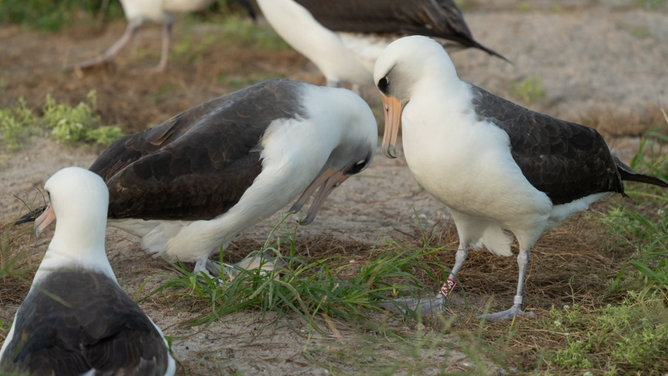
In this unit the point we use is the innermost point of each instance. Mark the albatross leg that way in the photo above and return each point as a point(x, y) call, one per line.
point(427, 306)
point(166, 40)
point(112, 51)
point(516, 309)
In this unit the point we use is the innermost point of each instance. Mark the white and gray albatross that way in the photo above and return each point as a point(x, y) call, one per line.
point(192, 183)
point(76, 319)
point(343, 38)
point(500, 168)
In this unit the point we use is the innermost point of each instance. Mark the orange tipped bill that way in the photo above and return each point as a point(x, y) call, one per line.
point(392, 120)
point(44, 220)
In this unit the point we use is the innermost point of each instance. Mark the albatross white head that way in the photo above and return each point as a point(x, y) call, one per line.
point(353, 153)
point(409, 67)
point(78, 199)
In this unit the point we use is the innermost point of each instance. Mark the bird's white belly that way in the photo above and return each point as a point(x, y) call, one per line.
point(474, 173)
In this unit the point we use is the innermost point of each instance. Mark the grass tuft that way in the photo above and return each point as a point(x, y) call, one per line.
point(332, 286)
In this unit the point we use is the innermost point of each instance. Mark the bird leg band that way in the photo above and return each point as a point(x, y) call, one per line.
point(447, 288)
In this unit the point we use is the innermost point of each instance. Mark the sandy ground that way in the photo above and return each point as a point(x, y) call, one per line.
point(594, 65)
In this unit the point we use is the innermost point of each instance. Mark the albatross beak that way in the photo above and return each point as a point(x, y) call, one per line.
point(44, 220)
point(327, 181)
point(392, 119)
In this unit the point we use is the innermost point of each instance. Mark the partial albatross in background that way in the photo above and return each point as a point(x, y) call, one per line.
point(76, 319)
point(192, 183)
point(165, 12)
point(343, 38)
point(501, 169)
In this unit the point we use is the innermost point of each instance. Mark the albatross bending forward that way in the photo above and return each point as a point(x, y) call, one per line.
point(501, 169)
point(76, 319)
point(192, 183)
point(343, 38)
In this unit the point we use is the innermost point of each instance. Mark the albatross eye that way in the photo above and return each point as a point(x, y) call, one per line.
point(383, 83)
point(357, 167)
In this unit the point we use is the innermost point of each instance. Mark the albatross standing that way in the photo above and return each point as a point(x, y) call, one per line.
point(165, 12)
point(343, 38)
point(76, 319)
point(500, 168)
point(192, 183)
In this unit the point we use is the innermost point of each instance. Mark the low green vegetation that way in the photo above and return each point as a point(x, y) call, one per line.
point(530, 90)
point(53, 15)
point(62, 122)
point(641, 33)
point(333, 285)
point(242, 31)
point(650, 5)
point(618, 339)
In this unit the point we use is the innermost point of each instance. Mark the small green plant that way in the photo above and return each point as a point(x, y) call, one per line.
point(558, 9)
point(17, 125)
point(64, 123)
point(651, 5)
point(529, 90)
point(466, 5)
point(243, 31)
point(523, 7)
point(641, 33)
point(632, 336)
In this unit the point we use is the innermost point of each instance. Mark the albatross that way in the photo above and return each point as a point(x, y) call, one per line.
point(501, 169)
point(343, 38)
point(76, 319)
point(165, 12)
point(192, 183)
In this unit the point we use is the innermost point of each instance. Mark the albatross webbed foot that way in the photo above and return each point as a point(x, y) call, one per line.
point(508, 315)
point(264, 261)
point(201, 266)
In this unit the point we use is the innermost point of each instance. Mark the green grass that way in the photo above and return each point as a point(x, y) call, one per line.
point(307, 288)
point(530, 90)
point(62, 122)
point(53, 15)
point(618, 339)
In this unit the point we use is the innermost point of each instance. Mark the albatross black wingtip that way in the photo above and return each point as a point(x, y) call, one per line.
point(491, 52)
point(629, 174)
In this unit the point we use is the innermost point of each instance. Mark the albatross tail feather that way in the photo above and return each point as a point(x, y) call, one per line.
point(628, 174)
point(489, 51)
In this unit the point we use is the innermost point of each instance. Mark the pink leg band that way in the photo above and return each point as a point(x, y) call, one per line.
point(447, 287)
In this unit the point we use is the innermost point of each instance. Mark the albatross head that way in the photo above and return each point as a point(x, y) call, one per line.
point(353, 153)
point(79, 199)
point(406, 66)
